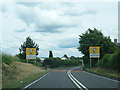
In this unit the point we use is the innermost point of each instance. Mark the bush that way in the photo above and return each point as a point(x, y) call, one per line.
point(111, 61)
point(8, 58)
point(106, 62)
point(115, 60)
point(57, 62)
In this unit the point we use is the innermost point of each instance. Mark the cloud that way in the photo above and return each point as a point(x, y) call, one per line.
point(20, 30)
point(49, 29)
point(76, 12)
point(55, 28)
point(3, 8)
point(29, 4)
point(49, 21)
point(70, 42)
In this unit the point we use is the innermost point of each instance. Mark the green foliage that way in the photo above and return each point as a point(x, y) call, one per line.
point(8, 59)
point(106, 62)
point(115, 60)
point(50, 54)
point(111, 61)
point(57, 62)
point(95, 38)
point(72, 57)
point(29, 43)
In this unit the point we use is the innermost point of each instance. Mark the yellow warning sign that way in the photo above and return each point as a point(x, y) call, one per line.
point(94, 51)
point(30, 53)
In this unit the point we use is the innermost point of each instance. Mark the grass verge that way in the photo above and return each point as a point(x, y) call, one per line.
point(104, 72)
point(25, 81)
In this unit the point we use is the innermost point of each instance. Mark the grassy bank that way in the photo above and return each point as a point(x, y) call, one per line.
point(22, 82)
point(18, 74)
point(104, 72)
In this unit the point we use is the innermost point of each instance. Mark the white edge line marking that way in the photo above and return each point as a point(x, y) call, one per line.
point(101, 76)
point(73, 81)
point(34, 81)
point(97, 75)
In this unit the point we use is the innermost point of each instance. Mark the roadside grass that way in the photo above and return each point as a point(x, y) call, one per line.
point(18, 74)
point(21, 83)
point(8, 59)
point(104, 72)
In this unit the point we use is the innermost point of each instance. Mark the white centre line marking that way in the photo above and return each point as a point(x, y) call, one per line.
point(75, 81)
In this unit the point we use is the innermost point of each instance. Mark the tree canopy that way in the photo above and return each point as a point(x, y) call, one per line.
point(95, 38)
point(50, 54)
point(29, 43)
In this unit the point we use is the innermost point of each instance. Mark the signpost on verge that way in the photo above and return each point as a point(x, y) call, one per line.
point(94, 52)
point(31, 54)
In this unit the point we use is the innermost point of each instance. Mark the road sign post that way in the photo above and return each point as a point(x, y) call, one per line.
point(98, 62)
point(90, 63)
point(94, 52)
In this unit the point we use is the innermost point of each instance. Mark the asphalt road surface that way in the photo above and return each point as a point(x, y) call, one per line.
point(74, 78)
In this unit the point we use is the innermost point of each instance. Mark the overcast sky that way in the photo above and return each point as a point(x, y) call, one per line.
point(55, 26)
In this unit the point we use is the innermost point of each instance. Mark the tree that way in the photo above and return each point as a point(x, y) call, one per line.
point(72, 57)
point(50, 54)
point(95, 38)
point(29, 43)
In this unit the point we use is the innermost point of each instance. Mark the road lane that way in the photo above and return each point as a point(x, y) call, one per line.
point(61, 78)
point(92, 81)
point(55, 79)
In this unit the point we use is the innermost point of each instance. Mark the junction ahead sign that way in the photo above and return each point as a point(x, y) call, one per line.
point(94, 52)
point(30, 53)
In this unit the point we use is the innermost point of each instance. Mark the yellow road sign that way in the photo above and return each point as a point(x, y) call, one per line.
point(30, 53)
point(94, 51)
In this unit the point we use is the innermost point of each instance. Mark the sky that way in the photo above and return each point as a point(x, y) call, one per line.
point(54, 26)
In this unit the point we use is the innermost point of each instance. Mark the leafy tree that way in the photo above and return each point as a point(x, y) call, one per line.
point(50, 54)
point(72, 57)
point(29, 43)
point(95, 38)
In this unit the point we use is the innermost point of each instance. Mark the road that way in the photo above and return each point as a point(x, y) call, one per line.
point(74, 78)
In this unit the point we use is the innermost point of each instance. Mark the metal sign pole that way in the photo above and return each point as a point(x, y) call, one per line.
point(90, 63)
point(35, 61)
point(98, 61)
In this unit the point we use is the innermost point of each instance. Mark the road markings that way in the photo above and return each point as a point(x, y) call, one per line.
point(67, 70)
point(76, 82)
point(101, 76)
point(97, 75)
point(59, 70)
point(34, 82)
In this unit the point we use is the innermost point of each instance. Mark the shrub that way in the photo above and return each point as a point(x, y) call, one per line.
point(57, 62)
point(8, 58)
point(111, 61)
point(115, 60)
point(106, 61)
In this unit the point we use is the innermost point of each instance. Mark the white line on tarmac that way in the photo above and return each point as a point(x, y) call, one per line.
point(78, 82)
point(75, 81)
point(34, 82)
point(97, 75)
